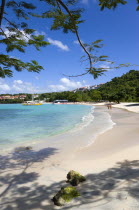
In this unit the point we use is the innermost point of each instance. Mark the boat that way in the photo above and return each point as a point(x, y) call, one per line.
point(32, 103)
point(60, 101)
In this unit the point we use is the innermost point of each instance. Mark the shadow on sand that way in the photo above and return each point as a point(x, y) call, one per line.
point(20, 159)
point(132, 104)
point(99, 189)
point(10, 182)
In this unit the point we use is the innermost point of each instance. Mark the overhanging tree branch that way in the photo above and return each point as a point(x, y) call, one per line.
point(16, 28)
point(63, 18)
point(76, 32)
point(2, 10)
point(4, 33)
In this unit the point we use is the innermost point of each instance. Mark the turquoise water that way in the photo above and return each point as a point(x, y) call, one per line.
point(20, 123)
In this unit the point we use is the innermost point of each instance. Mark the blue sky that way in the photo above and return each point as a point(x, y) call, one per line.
point(119, 31)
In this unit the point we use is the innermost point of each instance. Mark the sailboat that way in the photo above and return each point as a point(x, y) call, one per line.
point(32, 103)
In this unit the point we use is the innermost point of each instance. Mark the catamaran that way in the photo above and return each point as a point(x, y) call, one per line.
point(29, 103)
point(32, 103)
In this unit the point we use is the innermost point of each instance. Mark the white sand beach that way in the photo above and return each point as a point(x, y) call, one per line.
point(110, 165)
point(132, 106)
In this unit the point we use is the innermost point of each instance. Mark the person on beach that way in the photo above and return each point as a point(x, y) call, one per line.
point(109, 106)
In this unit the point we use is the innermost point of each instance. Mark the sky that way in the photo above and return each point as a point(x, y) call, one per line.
point(119, 31)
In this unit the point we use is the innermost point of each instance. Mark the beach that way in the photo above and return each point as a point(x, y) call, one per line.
point(110, 164)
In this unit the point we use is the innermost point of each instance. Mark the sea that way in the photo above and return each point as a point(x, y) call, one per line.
point(27, 125)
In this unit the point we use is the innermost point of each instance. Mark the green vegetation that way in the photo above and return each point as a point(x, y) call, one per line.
point(124, 88)
point(15, 101)
point(11, 101)
point(112, 4)
point(74, 178)
point(18, 37)
point(78, 96)
point(65, 15)
point(66, 194)
point(119, 89)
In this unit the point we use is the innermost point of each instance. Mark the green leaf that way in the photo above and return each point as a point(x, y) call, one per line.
point(137, 9)
point(103, 56)
point(97, 41)
point(34, 62)
point(27, 5)
point(97, 46)
point(12, 4)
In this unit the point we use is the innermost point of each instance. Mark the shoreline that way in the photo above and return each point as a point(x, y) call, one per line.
point(131, 107)
point(124, 124)
point(109, 164)
point(41, 139)
point(80, 132)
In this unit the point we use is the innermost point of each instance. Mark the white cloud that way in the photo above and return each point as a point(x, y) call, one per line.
point(105, 66)
point(70, 84)
point(26, 87)
point(56, 88)
point(23, 87)
point(19, 86)
point(4, 88)
point(37, 33)
point(65, 84)
point(58, 44)
point(24, 36)
point(18, 82)
point(76, 42)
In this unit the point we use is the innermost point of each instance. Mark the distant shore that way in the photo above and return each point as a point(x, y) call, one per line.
point(129, 106)
point(110, 164)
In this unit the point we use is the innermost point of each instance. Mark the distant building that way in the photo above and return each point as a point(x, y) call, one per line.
point(22, 96)
point(81, 89)
point(3, 97)
point(35, 95)
point(92, 87)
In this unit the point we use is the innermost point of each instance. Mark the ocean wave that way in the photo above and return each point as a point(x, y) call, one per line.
point(85, 121)
point(108, 125)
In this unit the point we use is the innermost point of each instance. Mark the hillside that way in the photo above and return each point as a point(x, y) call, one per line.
point(124, 88)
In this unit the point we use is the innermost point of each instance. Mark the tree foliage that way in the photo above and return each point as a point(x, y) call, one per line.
point(15, 33)
point(112, 4)
point(124, 88)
